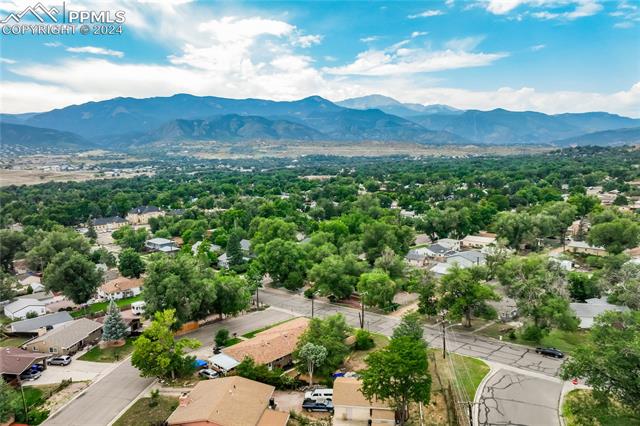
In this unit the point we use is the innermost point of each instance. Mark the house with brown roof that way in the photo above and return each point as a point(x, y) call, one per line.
point(15, 361)
point(272, 347)
point(351, 408)
point(228, 401)
point(120, 288)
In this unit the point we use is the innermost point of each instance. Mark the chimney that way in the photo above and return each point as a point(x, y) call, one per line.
point(272, 403)
point(184, 399)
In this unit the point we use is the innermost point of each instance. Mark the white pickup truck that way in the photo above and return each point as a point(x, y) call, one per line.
point(319, 395)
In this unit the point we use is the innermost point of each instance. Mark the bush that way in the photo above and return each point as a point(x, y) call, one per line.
point(512, 335)
point(261, 373)
point(221, 337)
point(154, 397)
point(364, 340)
point(532, 333)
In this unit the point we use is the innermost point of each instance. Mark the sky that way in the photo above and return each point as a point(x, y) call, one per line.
point(552, 56)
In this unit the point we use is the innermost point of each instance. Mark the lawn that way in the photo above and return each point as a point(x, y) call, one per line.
point(470, 372)
point(579, 409)
point(566, 341)
point(232, 341)
point(97, 354)
point(13, 341)
point(102, 306)
point(355, 360)
point(252, 334)
point(140, 413)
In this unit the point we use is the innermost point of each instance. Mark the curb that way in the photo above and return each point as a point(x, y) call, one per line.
point(133, 401)
point(478, 395)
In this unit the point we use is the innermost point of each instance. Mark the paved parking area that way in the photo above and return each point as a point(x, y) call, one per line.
point(77, 370)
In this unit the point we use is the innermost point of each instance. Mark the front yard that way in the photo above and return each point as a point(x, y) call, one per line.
point(141, 413)
point(566, 341)
point(97, 354)
point(102, 306)
point(580, 409)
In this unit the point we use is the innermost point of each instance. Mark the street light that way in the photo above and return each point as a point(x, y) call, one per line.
point(443, 314)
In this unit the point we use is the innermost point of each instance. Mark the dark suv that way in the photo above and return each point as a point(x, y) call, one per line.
point(550, 352)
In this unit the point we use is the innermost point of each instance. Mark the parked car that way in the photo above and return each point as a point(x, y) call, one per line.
point(60, 360)
point(553, 352)
point(208, 373)
point(37, 367)
point(319, 395)
point(30, 375)
point(311, 405)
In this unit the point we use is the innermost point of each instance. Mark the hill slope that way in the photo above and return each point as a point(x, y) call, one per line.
point(605, 138)
point(36, 137)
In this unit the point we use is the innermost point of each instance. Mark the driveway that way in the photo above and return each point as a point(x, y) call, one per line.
point(512, 398)
point(77, 370)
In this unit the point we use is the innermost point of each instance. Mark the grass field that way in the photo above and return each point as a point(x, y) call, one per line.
point(566, 341)
point(97, 354)
point(13, 341)
point(141, 414)
point(102, 306)
point(580, 409)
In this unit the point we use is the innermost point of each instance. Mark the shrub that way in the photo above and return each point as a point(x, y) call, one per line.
point(364, 340)
point(221, 337)
point(261, 373)
point(532, 333)
point(154, 398)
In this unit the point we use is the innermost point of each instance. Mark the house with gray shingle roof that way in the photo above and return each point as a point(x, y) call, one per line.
point(66, 339)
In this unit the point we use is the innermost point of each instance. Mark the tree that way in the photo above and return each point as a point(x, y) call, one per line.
point(398, 374)
point(337, 276)
point(269, 229)
point(411, 326)
point(232, 295)
point(127, 237)
point(615, 236)
point(50, 244)
point(462, 293)
point(11, 242)
point(378, 235)
point(377, 289)
point(9, 401)
point(330, 333)
point(91, 232)
point(221, 337)
point(518, 229)
point(178, 283)
point(234, 249)
point(582, 286)
point(314, 356)
point(130, 263)
point(73, 274)
point(156, 353)
point(285, 262)
point(102, 255)
point(7, 284)
point(423, 282)
point(393, 265)
point(610, 360)
point(562, 214)
point(114, 328)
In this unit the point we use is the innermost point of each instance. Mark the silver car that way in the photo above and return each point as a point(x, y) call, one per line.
point(60, 360)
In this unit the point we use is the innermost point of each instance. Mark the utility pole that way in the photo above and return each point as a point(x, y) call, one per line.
point(258, 297)
point(443, 313)
point(312, 305)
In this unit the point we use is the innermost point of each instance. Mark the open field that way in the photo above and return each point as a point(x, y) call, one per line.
point(34, 177)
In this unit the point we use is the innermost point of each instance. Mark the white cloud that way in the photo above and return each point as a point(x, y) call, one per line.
point(53, 44)
point(418, 34)
point(7, 61)
point(95, 51)
point(426, 14)
point(623, 25)
point(449, 3)
point(308, 40)
point(537, 47)
point(628, 13)
point(369, 39)
point(581, 8)
point(464, 44)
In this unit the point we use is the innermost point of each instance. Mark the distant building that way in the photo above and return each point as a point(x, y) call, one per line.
point(197, 244)
point(162, 245)
point(120, 288)
point(583, 247)
point(416, 258)
point(422, 239)
point(477, 241)
point(20, 308)
point(141, 215)
point(108, 224)
point(352, 408)
point(228, 401)
point(587, 311)
point(442, 248)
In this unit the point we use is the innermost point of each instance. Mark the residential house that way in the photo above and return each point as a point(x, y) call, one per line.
point(38, 325)
point(463, 259)
point(416, 257)
point(228, 401)
point(67, 339)
point(20, 308)
point(15, 361)
point(223, 362)
point(352, 408)
point(245, 245)
point(32, 281)
point(587, 311)
point(161, 245)
point(141, 215)
point(120, 288)
point(108, 224)
point(422, 239)
point(442, 248)
point(477, 241)
point(272, 347)
point(583, 247)
point(197, 244)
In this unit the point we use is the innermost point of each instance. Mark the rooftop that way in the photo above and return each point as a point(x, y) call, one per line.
point(121, 284)
point(15, 360)
point(20, 304)
point(346, 392)
point(107, 220)
point(33, 324)
point(69, 334)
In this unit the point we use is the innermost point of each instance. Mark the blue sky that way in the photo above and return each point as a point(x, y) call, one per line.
point(545, 55)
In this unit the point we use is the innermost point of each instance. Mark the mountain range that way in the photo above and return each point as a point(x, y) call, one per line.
point(122, 123)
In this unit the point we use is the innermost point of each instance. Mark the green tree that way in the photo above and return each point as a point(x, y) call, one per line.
point(9, 401)
point(285, 262)
point(615, 236)
point(102, 255)
point(130, 263)
point(462, 293)
point(610, 360)
point(378, 235)
point(73, 274)
point(398, 374)
point(127, 237)
point(48, 245)
point(392, 264)
point(221, 337)
point(234, 250)
point(337, 276)
point(411, 326)
point(114, 328)
point(11, 242)
point(562, 214)
point(178, 283)
point(158, 354)
point(518, 229)
point(7, 285)
point(582, 286)
point(423, 282)
point(269, 229)
point(91, 233)
point(232, 295)
point(313, 355)
point(377, 289)
point(330, 333)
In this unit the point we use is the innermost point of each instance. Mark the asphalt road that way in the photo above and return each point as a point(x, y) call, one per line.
point(511, 398)
point(103, 400)
point(465, 344)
